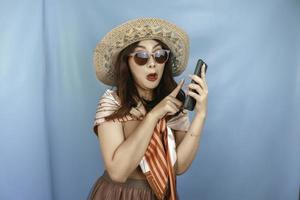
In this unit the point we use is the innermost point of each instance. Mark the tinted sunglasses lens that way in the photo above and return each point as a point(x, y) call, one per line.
point(141, 58)
point(161, 56)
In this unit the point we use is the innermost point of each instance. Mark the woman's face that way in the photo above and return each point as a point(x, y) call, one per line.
point(141, 73)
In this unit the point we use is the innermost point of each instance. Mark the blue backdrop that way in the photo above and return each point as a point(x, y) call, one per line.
point(250, 146)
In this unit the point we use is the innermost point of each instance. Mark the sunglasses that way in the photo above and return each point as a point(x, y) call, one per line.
point(142, 57)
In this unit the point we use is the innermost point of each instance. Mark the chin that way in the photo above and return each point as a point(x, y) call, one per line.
point(152, 85)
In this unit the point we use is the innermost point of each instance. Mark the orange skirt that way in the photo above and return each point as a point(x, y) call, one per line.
point(107, 189)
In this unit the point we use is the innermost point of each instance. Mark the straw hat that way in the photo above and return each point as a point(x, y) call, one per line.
point(107, 50)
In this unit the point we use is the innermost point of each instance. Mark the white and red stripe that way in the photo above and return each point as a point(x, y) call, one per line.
point(158, 162)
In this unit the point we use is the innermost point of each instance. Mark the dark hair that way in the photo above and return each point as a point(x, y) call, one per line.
point(126, 89)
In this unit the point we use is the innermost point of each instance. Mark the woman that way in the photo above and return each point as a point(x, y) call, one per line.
point(145, 136)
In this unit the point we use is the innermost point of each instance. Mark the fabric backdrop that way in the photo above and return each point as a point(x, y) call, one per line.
point(250, 145)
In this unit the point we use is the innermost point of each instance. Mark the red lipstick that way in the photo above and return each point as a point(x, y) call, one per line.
point(152, 77)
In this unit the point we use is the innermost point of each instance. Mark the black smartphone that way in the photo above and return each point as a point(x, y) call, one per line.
point(190, 102)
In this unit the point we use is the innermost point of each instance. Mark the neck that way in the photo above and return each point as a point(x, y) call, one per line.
point(146, 94)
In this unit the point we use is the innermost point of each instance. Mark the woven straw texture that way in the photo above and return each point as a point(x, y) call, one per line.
point(106, 51)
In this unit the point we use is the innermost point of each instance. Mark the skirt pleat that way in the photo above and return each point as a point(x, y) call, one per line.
point(107, 189)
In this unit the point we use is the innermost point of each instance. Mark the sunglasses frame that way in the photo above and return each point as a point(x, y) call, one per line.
point(150, 54)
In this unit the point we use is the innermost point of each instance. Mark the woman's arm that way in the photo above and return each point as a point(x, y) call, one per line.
point(121, 157)
point(187, 147)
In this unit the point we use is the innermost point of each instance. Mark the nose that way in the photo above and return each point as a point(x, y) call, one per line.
point(151, 62)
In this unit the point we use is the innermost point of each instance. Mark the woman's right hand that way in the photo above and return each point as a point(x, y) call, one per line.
point(169, 105)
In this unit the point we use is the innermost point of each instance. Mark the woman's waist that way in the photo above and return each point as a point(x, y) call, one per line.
point(135, 181)
point(137, 174)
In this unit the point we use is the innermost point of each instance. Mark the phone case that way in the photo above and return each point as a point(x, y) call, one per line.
point(190, 102)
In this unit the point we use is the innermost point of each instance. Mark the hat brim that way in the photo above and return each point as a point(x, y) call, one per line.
point(107, 50)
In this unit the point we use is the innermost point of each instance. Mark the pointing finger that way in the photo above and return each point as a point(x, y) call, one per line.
point(177, 89)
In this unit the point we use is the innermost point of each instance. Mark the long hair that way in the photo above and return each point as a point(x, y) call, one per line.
point(127, 91)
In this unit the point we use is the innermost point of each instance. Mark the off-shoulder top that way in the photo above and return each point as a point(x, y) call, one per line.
point(109, 102)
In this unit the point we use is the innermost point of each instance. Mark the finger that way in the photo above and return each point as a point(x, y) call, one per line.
point(141, 108)
point(177, 89)
point(196, 96)
point(172, 109)
point(203, 71)
point(198, 80)
point(175, 101)
point(173, 106)
point(134, 111)
point(203, 76)
point(196, 87)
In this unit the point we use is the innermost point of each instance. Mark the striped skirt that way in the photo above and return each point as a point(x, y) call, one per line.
point(107, 189)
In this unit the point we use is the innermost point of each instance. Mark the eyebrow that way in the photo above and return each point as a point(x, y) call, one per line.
point(145, 48)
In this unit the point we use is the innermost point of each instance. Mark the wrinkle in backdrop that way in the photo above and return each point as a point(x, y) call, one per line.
point(250, 144)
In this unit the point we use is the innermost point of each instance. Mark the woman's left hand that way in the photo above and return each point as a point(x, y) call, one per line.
point(201, 87)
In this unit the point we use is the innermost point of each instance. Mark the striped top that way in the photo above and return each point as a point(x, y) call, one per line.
point(159, 160)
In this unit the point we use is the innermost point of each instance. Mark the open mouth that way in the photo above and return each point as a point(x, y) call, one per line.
point(152, 77)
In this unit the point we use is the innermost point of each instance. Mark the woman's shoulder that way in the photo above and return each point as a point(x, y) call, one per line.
point(110, 94)
point(107, 105)
point(110, 101)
